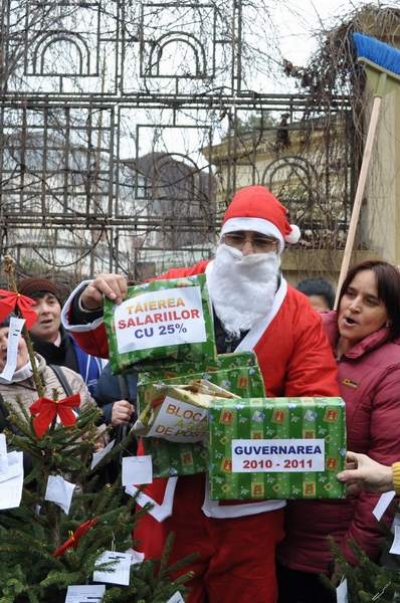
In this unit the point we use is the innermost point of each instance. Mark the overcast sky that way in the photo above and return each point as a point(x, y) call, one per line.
point(299, 19)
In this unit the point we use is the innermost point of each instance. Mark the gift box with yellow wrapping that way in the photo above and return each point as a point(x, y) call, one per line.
point(262, 448)
point(238, 373)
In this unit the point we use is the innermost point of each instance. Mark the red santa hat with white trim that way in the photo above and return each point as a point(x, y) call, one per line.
point(256, 208)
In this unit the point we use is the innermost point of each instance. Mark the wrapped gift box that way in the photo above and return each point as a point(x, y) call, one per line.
point(171, 458)
point(178, 413)
point(163, 320)
point(262, 448)
point(238, 373)
point(220, 361)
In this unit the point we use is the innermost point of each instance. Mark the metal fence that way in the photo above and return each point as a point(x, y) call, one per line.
point(125, 128)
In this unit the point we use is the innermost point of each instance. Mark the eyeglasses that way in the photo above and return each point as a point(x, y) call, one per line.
point(259, 243)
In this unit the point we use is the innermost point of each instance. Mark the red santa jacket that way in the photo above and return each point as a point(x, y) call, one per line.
point(369, 377)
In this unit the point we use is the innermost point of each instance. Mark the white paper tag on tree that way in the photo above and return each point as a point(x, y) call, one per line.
point(14, 466)
point(100, 454)
point(176, 598)
point(118, 573)
point(60, 492)
point(395, 548)
point(342, 592)
point(136, 556)
point(383, 503)
point(87, 593)
point(14, 333)
point(395, 522)
point(3, 454)
point(137, 470)
point(11, 481)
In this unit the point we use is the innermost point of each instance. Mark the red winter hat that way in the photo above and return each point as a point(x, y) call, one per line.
point(255, 208)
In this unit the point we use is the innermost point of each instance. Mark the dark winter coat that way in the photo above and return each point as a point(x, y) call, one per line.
point(110, 388)
point(369, 381)
point(69, 354)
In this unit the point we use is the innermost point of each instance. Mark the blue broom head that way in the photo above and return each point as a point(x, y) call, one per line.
point(378, 54)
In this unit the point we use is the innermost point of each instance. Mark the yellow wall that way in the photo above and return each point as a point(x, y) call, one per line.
point(298, 263)
point(381, 214)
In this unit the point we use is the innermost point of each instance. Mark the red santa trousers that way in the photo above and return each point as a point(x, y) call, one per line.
point(235, 556)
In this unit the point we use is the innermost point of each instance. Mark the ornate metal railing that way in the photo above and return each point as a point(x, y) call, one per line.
point(123, 135)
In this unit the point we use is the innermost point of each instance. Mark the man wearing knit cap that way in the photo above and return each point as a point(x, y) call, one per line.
point(254, 309)
point(49, 338)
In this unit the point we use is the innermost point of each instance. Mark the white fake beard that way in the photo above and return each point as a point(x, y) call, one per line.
point(242, 288)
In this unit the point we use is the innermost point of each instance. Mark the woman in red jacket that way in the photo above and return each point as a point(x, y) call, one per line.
point(364, 334)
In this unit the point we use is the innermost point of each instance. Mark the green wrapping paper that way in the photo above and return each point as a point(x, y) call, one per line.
point(238, 373)
point(179, 414)
point(276, 448)
point(169, 369)
point(170, 458)
point(161, 321)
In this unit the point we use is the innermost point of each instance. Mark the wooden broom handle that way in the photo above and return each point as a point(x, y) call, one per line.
point(359, 194)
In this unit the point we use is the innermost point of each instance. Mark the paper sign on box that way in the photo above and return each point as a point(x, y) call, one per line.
point(162, 321)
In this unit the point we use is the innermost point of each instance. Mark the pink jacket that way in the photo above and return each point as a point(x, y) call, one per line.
point(369, 381)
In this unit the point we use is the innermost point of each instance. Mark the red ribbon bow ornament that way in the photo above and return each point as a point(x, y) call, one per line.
point(74, 539)
point(9, 300)
point(46, 410)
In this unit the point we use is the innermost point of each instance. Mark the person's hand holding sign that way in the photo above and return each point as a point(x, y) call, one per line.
point(112, 286)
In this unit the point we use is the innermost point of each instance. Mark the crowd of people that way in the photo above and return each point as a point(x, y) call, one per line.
point(269, 550)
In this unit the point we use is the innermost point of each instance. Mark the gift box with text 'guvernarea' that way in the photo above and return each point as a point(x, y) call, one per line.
point(262, 448)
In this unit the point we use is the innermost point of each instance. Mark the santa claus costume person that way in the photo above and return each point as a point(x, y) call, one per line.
point(254, 309)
